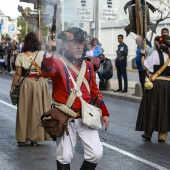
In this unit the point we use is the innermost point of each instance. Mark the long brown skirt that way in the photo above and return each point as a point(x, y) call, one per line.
point(154, 110)
point(34, 100)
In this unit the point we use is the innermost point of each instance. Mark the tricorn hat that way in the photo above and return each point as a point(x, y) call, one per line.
point(164, 39)
point(72, 34)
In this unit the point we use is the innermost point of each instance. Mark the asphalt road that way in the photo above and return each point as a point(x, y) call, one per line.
point(123, 147)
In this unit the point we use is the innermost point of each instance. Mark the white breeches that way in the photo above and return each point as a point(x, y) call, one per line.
point(89, 138)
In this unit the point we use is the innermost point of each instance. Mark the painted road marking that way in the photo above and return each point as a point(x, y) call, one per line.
point(134, 156)
point(10, 105)
point(114, 148)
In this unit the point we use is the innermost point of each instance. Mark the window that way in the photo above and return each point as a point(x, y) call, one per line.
point(81, 25)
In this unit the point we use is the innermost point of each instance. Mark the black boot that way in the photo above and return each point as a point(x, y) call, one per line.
point(88, 166)
point(62, 166)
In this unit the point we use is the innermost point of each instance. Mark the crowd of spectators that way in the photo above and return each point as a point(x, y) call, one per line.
point(93, 48)
point(9, 49)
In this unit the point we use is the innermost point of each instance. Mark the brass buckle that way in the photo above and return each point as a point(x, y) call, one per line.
point(31, 58)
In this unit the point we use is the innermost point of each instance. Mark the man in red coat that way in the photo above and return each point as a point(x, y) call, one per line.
point(73, 43)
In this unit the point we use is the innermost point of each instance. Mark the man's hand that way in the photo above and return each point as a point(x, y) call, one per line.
point(51, 43)
point(105, 120)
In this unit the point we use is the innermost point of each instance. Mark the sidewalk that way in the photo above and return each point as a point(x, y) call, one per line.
point(129, 96)
point(114, 86)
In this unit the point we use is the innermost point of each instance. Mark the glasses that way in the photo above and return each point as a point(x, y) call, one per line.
point(119, 38)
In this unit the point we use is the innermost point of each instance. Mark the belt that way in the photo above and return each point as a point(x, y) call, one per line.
point(34, 76)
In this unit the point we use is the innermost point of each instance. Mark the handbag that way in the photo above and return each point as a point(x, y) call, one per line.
point(91, 115)
point(15, 93)
point(54, 122)
point(149, 81)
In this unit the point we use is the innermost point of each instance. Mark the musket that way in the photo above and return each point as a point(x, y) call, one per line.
point(53, 28)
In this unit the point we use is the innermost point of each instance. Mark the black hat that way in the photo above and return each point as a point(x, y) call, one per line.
point(73, 34)
point(164, 39)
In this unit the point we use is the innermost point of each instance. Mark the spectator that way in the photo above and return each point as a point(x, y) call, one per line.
point(101, 47)
point(87, 41)
point(141, 71)
point(9, 46)
point(20, 46)
point(97, 50)
point(89, 51)
point(96, 66)
point(5, 57)
point(3, 47)
point(105, 71)
point(165, 31)
point(121, 63)
point(13, 56)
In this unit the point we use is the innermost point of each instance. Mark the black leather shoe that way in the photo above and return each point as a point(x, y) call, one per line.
point(145, 137)
point(21, 143)
point(88, 166)
point(33, 143)
point(161, 141)
point(62, 166)
point(124, 91)
point(118, 90)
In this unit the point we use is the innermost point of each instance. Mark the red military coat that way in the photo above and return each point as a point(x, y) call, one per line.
point(62, 85)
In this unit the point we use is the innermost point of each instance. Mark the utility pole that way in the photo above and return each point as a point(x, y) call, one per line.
point(96, 17)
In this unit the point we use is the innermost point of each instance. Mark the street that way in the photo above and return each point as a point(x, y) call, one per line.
point(124, 149)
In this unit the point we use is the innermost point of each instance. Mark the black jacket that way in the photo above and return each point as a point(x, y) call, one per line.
point(122, 51)
point(2, 50)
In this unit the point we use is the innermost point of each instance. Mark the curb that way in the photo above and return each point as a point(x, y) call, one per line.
point(129, 98)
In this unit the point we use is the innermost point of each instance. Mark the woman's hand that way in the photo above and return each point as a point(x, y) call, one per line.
point(11, 90)
point(105, 120)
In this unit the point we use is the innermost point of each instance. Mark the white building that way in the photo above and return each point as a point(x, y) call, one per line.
point(109, 30)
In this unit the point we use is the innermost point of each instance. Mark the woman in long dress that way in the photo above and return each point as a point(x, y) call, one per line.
point(34, 96)
point(154, 110)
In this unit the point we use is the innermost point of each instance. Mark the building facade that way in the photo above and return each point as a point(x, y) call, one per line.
point(109, 28)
